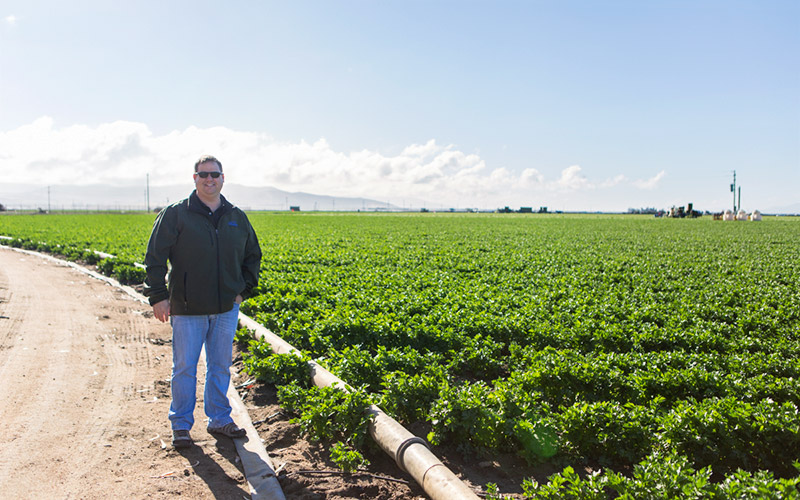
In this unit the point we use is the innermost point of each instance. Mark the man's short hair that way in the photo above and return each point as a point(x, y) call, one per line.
point(206, 158)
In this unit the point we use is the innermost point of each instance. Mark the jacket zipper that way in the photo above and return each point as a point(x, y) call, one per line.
point(219, 274)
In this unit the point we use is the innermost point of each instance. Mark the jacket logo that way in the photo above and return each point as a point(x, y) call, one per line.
point(233, 223)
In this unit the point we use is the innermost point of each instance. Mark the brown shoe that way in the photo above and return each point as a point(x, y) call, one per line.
point(230, 430)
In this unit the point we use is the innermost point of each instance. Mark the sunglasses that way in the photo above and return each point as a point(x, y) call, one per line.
point(213, 175)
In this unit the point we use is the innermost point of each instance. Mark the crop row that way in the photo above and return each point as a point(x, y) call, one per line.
point(124, 271)
point(124, 235)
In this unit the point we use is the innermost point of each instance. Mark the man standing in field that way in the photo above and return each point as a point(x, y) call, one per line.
point(215, 259)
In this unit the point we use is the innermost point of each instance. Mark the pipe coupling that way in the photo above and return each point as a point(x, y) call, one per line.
point(401, 450)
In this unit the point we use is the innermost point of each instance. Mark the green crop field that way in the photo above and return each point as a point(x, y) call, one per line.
point(663, 352)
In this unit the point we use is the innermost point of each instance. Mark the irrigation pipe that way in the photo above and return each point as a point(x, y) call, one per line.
point(409, 451)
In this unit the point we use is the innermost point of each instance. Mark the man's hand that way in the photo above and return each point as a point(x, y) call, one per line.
point(238, 299)
point(161, 310)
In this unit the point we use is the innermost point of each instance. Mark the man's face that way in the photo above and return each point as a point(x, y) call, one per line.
point(209, 186)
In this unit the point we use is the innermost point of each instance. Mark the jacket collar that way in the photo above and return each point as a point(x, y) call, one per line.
point(196, 205)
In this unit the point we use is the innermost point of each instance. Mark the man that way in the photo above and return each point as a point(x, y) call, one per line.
point(215, 259)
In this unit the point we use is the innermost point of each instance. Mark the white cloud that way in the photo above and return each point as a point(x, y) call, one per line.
point(11, 19)
point(531, 178)
point(650, 183)
point(573, 179)
point(124, 152)
point(614, 181)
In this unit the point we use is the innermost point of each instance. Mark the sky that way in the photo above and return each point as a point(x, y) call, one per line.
point(573, 105)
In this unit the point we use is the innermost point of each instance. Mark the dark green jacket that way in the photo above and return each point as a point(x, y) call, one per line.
point(214, 257)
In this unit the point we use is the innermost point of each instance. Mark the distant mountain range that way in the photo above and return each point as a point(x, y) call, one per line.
point(107, 197)
point(786, 209)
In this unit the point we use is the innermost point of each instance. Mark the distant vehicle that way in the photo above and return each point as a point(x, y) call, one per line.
point(680, 212)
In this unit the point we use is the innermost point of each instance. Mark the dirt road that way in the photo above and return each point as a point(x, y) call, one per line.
point(85, 394)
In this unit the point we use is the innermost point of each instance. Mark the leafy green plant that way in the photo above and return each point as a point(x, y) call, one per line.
point(328, 413)
point(346, 458)
point(729, 434)
point(663, 476)
point(106, 266)
point(90, 257)
point(266, 366)
point(129, 274)
point(538, 440)
point(465, 414)
point(609, 432)
point(409, 397)
point(569, 485)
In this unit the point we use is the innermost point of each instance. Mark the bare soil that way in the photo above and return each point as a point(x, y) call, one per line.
point(85, 394)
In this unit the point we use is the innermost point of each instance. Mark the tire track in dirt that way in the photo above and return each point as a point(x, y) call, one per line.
point(84, 396)
point(50, 358)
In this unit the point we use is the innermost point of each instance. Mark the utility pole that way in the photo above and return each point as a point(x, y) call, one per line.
point(733, 190)
point(48, 199)
point(147, 193)
point(740, 197)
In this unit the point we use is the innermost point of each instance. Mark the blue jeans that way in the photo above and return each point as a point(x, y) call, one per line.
point(189, 333)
